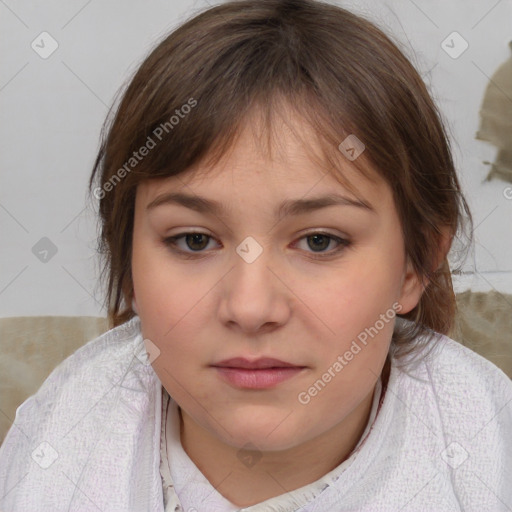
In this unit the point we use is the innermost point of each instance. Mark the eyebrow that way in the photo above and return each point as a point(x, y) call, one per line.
point(286, 208)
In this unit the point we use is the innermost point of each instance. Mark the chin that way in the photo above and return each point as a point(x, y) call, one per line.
point(271, 435)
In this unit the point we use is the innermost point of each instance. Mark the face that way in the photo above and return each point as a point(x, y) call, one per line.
point(316, 288)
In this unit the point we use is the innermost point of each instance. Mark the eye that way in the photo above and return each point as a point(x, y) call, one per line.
point(195, 242)
point(318, 241)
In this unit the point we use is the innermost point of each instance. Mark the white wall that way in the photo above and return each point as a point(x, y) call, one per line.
point(52, 110)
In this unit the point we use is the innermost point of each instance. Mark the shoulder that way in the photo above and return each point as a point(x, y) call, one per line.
point(115, 343)
point(466, 402)
point(457, 406)
point(461, 392)
point(101, 358)
point(466, 387)
point(452, 367)
point(101, 401)
point(473, 396)
point(75, 384)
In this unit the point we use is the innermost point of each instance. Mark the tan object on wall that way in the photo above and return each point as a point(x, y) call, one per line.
point(484, 324)
point(496, 120)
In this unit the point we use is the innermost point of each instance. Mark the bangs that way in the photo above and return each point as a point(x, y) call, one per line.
point(310, 124)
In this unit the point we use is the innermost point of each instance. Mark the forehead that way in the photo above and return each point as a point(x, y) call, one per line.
point(286, 160)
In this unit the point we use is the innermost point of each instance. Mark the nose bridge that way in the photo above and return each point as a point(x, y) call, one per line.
point(252, 265)
point(252, 295)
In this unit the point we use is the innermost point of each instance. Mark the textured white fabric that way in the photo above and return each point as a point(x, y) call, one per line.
point(89, 439)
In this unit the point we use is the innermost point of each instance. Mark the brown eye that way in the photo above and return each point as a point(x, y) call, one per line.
point(194, 242)
point(317, 243)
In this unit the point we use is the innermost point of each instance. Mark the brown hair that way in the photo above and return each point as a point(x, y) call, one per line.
point(340, 72)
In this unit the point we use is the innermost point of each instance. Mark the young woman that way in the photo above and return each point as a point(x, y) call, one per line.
point(277, 199)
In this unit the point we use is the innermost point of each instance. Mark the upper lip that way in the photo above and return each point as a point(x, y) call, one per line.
point(263, 362)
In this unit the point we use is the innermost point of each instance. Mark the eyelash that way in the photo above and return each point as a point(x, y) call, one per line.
point(170, 242)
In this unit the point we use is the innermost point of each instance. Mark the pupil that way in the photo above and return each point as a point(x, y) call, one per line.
point(194, 237)
point(316, 237)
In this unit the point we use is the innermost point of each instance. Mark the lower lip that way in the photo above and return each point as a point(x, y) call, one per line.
point(257, 379)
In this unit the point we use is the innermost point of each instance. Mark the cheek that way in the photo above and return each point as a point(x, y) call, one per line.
point(160, 286)
point(357, 321)
point(172, 302)
point(154, 286)
point(351, 359)
point(355, 298)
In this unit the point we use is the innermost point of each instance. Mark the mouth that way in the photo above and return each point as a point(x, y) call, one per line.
point(258, 364)
point(261, 373)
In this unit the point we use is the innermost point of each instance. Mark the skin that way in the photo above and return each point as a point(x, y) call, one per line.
point(286, 304)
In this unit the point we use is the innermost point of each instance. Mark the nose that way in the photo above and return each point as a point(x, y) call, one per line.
point(254, 295)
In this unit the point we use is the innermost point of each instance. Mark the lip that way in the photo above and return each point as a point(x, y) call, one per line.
point(262, 373)
point(255, 364)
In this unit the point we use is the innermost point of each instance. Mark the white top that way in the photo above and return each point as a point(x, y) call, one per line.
point(181, 476)
point(90, 439)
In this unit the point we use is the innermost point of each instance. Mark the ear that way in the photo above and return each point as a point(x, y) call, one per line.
point(412, 286)
point(411, 290)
